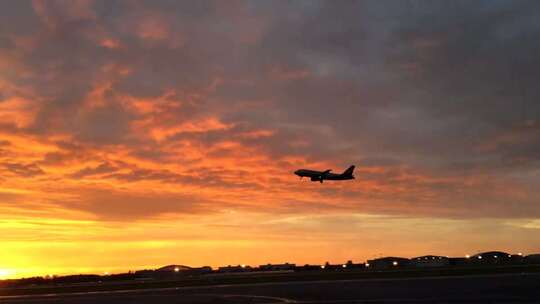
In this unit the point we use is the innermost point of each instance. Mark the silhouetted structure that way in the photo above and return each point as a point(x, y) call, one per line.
point(332, 267)
point(175, 270)
point(388, 262)
point(350, 265)
point(308, 267)
point(532, 259)
point(458, 261)
point(238, 268)
point(180, 272)
point(277, 267)
point(430, 261)
point(490, 257)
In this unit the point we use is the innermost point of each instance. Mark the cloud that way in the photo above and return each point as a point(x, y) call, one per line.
point(434, 103)
point(26, 170)
point(163, 130)
point(103, 168)
point(122, 206)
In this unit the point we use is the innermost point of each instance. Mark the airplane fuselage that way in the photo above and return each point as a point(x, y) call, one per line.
point(325, 175)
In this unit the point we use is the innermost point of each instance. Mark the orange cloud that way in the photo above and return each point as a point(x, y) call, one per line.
point(110, 43)
point(17, 111)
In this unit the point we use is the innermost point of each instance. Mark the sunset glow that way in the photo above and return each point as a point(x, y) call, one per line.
point(137, 134)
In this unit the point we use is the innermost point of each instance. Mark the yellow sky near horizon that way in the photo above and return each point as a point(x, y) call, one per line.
point(42, 247)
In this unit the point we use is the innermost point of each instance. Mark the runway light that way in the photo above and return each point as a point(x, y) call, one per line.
point(176, 269)
point(467, 256)
point(243, 266)
point(519, 253)
point(395, 263)
point(367, 264)
point(344, 265)
point(322, 266)
point(495, 256)
point(479, 257)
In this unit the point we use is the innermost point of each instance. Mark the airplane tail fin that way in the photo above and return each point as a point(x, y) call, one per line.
point(348, 172)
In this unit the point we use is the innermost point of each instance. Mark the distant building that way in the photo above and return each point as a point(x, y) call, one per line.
point(308, 267)
point(532, 259)
point(388, 262)
point(490, 257)
point(276, 267)
point(182, 269)
point(144, 272)
point(430, 261)
point(351, 265)
point(237, 268)
point(517, 258)
point(173, 268)
point(203, 269)
point(458, 261)
point(331, 267)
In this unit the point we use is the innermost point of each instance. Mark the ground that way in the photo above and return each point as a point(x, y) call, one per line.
point(492, 288)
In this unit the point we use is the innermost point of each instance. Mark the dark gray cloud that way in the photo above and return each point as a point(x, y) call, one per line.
point(26, 170)
point(103, 168)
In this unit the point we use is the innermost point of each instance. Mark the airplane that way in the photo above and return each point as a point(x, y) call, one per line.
point(322, 175)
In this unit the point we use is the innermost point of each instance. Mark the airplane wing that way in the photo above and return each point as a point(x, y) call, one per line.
point(324, 174)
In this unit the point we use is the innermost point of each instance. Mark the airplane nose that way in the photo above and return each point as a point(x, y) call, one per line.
point(296, 172)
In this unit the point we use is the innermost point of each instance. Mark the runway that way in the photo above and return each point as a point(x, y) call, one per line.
point(507, 288)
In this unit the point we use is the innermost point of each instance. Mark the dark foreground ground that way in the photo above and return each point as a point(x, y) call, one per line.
point(492, 288)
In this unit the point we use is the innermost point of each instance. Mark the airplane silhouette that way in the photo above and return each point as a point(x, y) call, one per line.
point(322, 175)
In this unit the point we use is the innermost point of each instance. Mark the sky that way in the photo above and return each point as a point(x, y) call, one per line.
point(136, 134)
